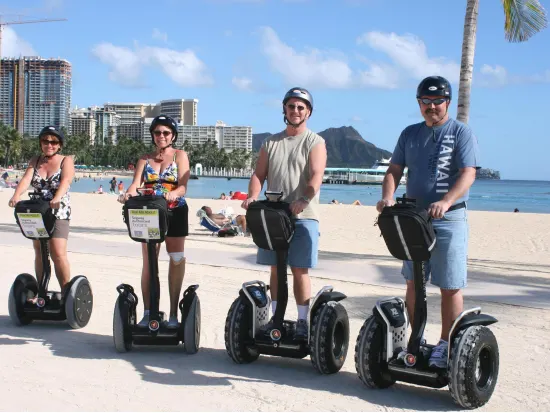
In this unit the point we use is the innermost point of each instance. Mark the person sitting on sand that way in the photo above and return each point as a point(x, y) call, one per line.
point(100, 190)
point(356, 202)
point(221, 219)
point(335, 202)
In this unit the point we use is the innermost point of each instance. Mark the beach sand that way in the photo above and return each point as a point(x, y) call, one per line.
point(47, 366)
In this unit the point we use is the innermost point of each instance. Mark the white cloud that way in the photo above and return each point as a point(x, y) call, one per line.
point(184, 68)
point(498, 76)
point(126, 65)
point(493, 76)
point(15, 46)
point(158, 35)
point(382, 76)
point(311, 68)
point(410, 55)
point(356, 119)
point(242, 83)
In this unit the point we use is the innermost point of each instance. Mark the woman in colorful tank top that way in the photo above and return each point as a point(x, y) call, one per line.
point(165, 172)
point(51, 174)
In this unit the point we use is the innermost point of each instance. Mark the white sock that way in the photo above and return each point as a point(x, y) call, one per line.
point(273, 306)
point(303, 310)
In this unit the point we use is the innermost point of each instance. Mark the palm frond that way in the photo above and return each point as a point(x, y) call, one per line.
point(523, 19)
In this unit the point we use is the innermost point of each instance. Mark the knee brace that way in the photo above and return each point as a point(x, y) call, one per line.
point(176, 257)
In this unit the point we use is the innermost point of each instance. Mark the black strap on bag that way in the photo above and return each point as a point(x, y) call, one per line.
point(407, 230)
point(270, 224)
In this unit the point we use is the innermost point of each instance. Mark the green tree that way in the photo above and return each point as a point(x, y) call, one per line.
point(10, 144)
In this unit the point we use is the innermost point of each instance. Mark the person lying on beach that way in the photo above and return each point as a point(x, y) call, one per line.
point(221, 219)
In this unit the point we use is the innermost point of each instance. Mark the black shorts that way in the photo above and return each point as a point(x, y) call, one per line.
point(178, 224)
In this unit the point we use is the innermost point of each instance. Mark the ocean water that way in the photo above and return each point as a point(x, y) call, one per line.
point(485, 195)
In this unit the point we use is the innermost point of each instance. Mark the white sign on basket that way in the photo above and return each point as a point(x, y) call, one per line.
point(32, 225)
point(144, 223)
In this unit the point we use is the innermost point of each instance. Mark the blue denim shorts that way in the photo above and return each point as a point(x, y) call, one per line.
point(447, 265)
point(304, 247)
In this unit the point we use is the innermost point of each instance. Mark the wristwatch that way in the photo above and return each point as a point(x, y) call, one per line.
point(305, 199)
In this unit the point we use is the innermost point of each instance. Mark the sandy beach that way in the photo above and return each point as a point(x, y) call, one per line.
point(47, 366)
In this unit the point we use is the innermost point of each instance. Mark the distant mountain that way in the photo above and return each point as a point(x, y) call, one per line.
point(345, 148)
point(484, 173)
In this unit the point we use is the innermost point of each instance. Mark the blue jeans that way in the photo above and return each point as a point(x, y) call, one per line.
point(448, 263)
point(303, 250)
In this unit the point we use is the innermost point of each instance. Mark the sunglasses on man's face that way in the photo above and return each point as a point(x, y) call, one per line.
point(49, 142)
point(436, 102)
point(164, 133)
point(292, 106)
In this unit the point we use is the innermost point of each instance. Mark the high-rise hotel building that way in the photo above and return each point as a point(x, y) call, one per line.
point(35, 92)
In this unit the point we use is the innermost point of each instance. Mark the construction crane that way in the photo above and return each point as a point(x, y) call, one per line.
point(2, 24)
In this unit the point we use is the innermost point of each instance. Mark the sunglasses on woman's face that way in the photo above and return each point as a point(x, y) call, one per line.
point(49, 142)
point(164, 133)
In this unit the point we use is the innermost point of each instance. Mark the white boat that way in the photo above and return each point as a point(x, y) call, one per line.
point(359, 176)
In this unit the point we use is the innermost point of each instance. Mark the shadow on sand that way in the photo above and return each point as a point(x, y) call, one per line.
point(181, 369)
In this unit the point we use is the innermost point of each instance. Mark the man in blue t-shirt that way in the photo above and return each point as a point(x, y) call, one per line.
point(441, 155)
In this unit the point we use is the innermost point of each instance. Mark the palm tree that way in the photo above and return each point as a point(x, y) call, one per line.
point(522, 19)
point(10, 143)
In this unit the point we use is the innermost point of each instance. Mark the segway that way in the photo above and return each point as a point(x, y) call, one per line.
point(248, 332)
point(146, 217)
point(382, 354)
point(29, 300)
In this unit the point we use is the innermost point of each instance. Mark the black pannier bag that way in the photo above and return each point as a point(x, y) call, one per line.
point(144, 210)
point(39, 208)
point(270, 224)
point(407, 230)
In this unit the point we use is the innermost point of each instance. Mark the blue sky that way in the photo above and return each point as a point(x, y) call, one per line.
point(361, 59)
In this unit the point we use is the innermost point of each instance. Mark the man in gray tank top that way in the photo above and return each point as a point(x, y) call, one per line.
point(293, 162)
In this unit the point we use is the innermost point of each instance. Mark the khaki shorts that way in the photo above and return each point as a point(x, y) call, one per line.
point(61, 229)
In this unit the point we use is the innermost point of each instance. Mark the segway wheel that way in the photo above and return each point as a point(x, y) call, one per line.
point(329, 339)
point(192, 328)
point(79, 303)
point(238, 330)
point(23, 288)
point(473, 366)
point(370, 362)
point(123, 318)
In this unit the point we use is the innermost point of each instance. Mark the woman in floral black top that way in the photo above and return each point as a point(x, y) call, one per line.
point(51, 174)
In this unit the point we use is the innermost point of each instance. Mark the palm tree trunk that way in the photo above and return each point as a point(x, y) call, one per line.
point(467, 61)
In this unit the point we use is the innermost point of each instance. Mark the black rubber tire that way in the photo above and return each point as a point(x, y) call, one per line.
point(192, 329)
point(23, 284)
point(369, 350)
point(329, 340)
point(470, 346)
point(79, 303)
point(238, 326)
point(122, 320)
